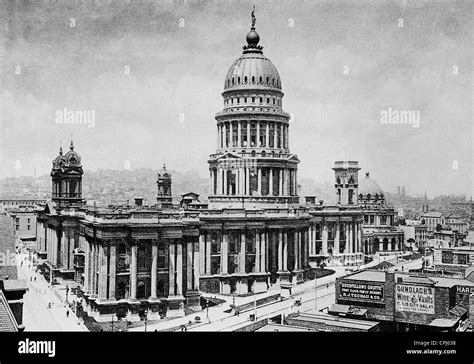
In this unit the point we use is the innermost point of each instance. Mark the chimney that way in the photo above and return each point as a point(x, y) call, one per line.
point(138, 201)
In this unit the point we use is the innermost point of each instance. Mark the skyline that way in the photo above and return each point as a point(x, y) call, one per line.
point(407, 69)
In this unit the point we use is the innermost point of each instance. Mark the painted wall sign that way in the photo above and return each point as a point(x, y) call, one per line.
point(411, 298)
point(363, 291)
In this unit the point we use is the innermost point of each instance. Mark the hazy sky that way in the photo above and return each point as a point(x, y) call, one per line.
point(408, 57)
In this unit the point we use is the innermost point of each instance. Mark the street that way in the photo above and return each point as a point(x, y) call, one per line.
point(36, 314)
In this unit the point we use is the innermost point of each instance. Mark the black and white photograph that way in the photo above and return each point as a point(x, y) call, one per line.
point(266, 175)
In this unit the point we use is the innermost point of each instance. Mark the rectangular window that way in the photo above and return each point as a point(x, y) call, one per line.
point(372, 219)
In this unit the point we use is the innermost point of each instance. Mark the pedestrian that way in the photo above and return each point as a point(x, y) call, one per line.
point(67, 313)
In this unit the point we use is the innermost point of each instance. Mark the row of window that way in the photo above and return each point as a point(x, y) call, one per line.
point(245, 80)
point(238, 100)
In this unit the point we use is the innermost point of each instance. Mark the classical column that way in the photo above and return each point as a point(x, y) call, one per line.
point(259, 181)
point(285, 251)
point(346, 228)
point(231, 136)
point(270, 182)
point(86, 266)
point(239, 134)
point(133, 272)
point(257, 251)
point(172, 268)
point(280, 181)
point(263, 252)
point(280, 251)
point(359, 235)
point(258, 134)
point(242, 253)
point(224, 252)
point(179, 268)
point(267, 134)
point(248, 134)
point(112, 269)
point(282, 133)
point(189, 265)
point(224, 172)
point(241, 181)
point(197, 254)
point(154, 266)
point(296, 250)
point(224, 134)
point(202, 255)
point(325, 240)
point(102, 273)
point(247, 181)
point(219, 181)
point(337, 236)
point(275, 136)
point(351, 237)
point(208, 254)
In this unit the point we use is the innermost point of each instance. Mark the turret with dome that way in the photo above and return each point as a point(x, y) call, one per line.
point(67, 178)
point(253, 165)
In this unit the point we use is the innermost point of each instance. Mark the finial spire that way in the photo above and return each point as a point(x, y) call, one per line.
point(254, 20)
point(72, 145)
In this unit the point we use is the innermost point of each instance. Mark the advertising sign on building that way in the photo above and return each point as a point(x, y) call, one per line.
point(411, 298)
point(464, 289)
point(362, 291)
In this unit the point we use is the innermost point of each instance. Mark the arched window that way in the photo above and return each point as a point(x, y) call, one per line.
point(233, 81)
point(253, 154)
point(268, 100)
point(273, 81)
point(245, 79)
point(253, 99)
point(260, 79)
point(268, 79)
point(253, 79)
point(238, 80)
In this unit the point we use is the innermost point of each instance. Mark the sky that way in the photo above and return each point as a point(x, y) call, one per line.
point(152, 73)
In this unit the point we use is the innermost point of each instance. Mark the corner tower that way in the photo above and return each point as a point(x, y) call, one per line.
point(347, 182)
point(66, 177)
point(252, 166)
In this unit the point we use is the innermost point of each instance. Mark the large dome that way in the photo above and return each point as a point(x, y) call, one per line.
point(252, 69)
point(367, 186)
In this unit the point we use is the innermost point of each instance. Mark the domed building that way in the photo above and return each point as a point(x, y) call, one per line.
point(254, 233)
point(253, 166)
point(380, 234)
